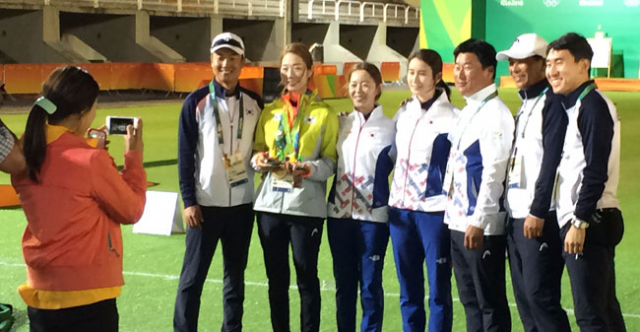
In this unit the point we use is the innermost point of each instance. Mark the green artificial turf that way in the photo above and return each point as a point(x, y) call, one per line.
point(152, 263)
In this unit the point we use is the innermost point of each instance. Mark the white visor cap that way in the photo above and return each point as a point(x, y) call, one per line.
point(228, 40)
point(526, 45)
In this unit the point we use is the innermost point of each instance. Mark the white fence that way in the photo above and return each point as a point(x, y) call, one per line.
point(361, 11)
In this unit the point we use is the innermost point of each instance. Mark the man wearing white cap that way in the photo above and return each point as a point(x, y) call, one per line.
point(215, 145)
point(533, 240)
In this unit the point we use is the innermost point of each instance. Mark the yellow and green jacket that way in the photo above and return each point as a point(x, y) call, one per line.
point(317, 147)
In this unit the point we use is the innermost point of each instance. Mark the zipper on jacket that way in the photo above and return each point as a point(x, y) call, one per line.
point(111, 248)
point(406, 174)
point(353, 176)
point(231, 132)
point(230, 152)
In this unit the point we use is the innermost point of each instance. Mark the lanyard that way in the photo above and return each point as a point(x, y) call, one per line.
point(216, 113)
point(514, 148)
point(586, 91)
point(484, 102)
point(290, 146)
point(531, 112)
point(583, 94)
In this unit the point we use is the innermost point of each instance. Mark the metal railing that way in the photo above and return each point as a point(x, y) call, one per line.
point(402, 8)
point(372, 9)
point(350, 4)
point(231, 7)
point(361, 11)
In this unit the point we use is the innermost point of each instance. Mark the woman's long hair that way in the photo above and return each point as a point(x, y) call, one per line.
point(73, 91)
point(434, 61)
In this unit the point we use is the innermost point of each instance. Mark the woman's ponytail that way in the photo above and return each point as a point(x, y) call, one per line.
point(35, 141)
point(444, 87)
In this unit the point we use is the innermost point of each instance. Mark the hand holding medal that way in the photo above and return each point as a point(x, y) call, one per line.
point(296, 169)
point(264, 163)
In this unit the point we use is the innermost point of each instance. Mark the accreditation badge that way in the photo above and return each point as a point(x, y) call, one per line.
point(515, 171)
point(556, 187)
point(235, 167)
point(281, 181)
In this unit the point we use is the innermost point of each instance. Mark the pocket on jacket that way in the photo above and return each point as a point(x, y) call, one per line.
point(434, 182)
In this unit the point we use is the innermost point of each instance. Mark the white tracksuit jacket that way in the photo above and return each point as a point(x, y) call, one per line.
point(203, 177)
point(589, 169)
point(526, 155)
point(480, 147)
point(422, 153)
point(365, 159)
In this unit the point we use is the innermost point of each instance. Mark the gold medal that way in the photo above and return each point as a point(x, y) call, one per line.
point(279, 173)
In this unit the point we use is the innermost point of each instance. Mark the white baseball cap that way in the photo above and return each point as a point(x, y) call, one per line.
point(526, 45)
point(228, 40)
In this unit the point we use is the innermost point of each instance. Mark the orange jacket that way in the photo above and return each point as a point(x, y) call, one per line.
point(73, 239)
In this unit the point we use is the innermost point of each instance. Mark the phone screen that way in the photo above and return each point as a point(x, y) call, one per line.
point(118, 125)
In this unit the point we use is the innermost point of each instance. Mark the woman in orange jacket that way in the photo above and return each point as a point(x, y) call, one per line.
point(75, 200)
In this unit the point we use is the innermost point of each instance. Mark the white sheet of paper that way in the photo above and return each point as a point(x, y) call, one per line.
point(601, 52)
point(161, 215)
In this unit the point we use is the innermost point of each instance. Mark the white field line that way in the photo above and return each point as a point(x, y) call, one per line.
point(324, 285)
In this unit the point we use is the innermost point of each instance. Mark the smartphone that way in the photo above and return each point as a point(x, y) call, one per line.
point(99, 137)
point(117, 125)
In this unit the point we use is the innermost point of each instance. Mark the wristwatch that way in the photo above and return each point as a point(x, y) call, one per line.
point(580, 224)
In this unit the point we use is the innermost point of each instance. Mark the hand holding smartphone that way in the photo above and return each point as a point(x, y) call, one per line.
point(133, 137)
point(117, 125)
point(99, 137)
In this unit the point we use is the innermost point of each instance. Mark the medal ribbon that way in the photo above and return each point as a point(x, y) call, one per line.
point(287, 140)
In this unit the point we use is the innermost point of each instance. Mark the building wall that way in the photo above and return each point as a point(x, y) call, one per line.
point(309, 33)
point(262, 39)
point(191, 37)
point(111, 35)
point(402, 40)
point(357, 38)
point(21, 38)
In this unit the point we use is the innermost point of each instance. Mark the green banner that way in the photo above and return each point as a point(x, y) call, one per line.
point(618, 19)
point(444, 24)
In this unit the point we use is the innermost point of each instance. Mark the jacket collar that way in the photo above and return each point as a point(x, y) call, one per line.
point(307, 98)
point(376, 113)
point(222, 92)
point(54, 133)
point(572, 97)
point(534, 91)
point(427, 104)
point(479, 96)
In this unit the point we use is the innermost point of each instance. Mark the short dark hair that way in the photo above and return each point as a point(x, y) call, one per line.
point(372, 70)
point(576, 44)
point(434, 61)
point(485, 52)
